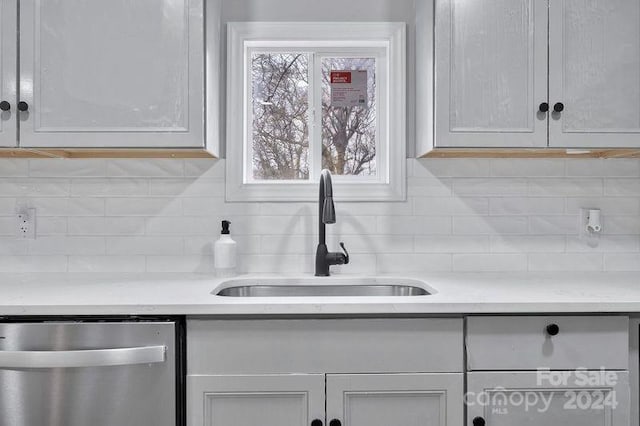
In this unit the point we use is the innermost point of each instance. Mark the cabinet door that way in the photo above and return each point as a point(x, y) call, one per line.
point(597, 398)
point(594, 71)
point(272, 400)
point(115, 73)
point(8, 58)
point(491, 73)
point(395, 399)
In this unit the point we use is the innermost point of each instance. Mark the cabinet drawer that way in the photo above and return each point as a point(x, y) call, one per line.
point(325, 345)
point(525, 343)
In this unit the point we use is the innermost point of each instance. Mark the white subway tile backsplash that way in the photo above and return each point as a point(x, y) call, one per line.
point(145, 168)
point(610, 206)
point(143, 207)
point(527, 244)
point(33, 263)
point(490, 187)
point(452, 244)
point(377, 244)
point(489, 262)
point(63, 167)
point(189, 264)
point(64, 206)
point(553, 225)
point(449, 167)
point(144, 245)
point(186, 187)
point(565, 262)
point(106, 226)
point(604, 243)
point(621, 225)
point(8, 225)
point(519, 167)
point(505, 206)
point(482, 225)
point(622, 187)
point(121, 187)
point(67, 245)
point(107, 264)
point(14, 168)
point(181, 226)
point(414, 225)
point(440, 206)
point(49, 226)
point(460, 215)
point(416, 262)
point(204, 167)
point(623, 262)
point(10, 246)
point(26, 187)
point(421, 187)
point(565, 187)
point(7, 206)
point(604, 167)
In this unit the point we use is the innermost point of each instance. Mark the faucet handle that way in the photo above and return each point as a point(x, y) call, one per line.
point(346, 253)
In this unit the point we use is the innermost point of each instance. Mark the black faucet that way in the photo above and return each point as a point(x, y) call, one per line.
point(327, 215)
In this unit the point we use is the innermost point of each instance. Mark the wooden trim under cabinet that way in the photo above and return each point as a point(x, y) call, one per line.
point(531, 153)
point(103, 153)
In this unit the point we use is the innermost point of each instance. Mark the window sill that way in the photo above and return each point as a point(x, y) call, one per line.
point(308, 192)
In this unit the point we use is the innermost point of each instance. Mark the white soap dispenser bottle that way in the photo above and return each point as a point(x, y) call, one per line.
point(224, 253)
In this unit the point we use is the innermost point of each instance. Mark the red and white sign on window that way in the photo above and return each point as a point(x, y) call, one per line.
point(349, 88)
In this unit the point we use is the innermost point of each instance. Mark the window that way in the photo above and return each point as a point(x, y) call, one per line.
point(307, 96)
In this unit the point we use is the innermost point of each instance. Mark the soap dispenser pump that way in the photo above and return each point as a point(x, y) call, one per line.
point(224, 253)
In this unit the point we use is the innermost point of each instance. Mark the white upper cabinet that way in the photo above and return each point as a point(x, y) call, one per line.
point(594, 72)
point(491, 73)
point(115, 73)
point(532, 74)
point(8, 56)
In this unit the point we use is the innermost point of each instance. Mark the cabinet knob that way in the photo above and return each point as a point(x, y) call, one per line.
point(316, 422)
point(335, 422)
point(559, 107)
point(23, 106)
point(544, 107)
point(553, 329)
point(479, 421)
point(5, 106)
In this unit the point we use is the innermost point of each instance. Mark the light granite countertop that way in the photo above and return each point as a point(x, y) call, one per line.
point(180, 294)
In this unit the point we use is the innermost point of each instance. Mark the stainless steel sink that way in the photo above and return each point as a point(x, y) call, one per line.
point(321, 288)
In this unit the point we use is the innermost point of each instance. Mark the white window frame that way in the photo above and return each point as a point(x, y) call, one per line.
point(384, 41)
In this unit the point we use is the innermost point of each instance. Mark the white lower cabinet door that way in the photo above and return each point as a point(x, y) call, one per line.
point(269, 400)
point(395, 399)
point(548, 398)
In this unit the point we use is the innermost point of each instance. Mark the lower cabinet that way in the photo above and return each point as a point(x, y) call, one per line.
point(394, 399)
point(350, 399)
point(270, 400)
point(546, 397)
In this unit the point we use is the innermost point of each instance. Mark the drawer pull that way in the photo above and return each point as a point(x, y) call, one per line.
point(479, 421)
point(553, 329)
point(316, 422)
point(335, 422)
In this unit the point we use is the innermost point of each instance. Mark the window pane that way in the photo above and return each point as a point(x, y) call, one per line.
point(349, 132)
point(280, 94)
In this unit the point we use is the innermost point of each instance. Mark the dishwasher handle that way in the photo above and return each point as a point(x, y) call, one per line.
point(84, 358)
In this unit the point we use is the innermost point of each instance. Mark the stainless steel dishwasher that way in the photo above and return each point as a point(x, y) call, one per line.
point(90, 373)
